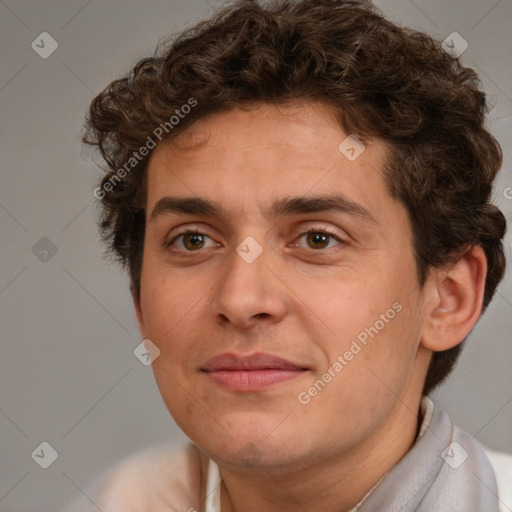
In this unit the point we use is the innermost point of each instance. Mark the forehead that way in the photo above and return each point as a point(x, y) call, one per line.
point(266, 153)
point(289, 132)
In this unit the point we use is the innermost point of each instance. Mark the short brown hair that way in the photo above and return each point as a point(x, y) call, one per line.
point(385, 82)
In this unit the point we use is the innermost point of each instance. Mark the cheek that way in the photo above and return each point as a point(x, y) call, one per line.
point(367, 379)
point(166, 304)
point(389, 348)
point(349, 308)
point(371, 342)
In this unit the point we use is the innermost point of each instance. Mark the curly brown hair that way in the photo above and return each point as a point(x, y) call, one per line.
point(384, 81)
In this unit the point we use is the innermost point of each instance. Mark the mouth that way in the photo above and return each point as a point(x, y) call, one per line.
point(251, 373)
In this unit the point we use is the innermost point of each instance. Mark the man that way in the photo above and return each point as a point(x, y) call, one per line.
point(301, 194)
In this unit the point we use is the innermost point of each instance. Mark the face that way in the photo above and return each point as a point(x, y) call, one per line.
point(280, 287)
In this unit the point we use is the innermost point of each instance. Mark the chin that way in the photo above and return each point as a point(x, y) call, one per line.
point(255, 455)
point(249, 448)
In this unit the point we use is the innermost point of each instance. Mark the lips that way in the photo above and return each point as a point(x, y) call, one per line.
point(253, 362)
point(251, 373)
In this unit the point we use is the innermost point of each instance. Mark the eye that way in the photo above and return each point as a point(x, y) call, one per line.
point(190, 241)
point(195, 240)
point(319, 239)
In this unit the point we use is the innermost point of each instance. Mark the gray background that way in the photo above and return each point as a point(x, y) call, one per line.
point(68, 375)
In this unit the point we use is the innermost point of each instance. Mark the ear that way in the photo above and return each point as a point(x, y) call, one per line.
point(138, 311)
point(455, 297)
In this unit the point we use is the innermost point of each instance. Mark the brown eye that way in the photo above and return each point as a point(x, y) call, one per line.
point(319, 239)
point(190, 241)
point(193, 241)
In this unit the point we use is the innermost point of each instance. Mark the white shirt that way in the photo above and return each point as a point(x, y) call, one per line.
point(171, 479)
point(501, 463)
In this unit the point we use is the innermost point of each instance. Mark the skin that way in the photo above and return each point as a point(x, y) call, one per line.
point(303, 301)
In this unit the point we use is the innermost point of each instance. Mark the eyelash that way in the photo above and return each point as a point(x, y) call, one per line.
point(316, 230)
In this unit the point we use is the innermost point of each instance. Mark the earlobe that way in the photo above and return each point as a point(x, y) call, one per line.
point(456, 301)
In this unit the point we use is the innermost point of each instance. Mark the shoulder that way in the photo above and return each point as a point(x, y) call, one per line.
point(164, 478)
point(502, 465)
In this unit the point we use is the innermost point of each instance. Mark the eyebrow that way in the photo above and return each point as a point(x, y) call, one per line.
point(284, 206)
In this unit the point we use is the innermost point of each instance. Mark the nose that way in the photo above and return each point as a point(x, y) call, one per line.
point(250, 293)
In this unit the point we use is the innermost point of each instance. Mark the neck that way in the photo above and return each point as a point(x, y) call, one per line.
point(335, 482)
